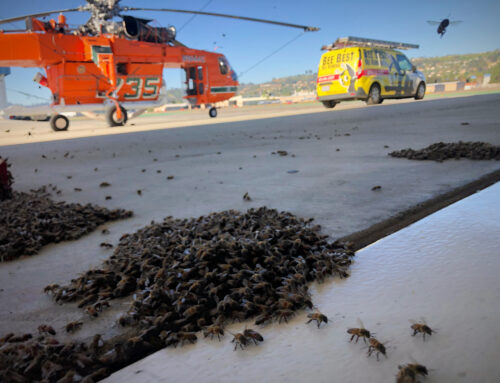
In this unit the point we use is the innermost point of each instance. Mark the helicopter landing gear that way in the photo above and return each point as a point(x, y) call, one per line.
point(112, 119)
point(212, 112)
point(59, 123)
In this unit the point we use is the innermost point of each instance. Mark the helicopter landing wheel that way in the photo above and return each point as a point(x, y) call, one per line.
point(111, 118)
point(212, 112)
point(59, 123)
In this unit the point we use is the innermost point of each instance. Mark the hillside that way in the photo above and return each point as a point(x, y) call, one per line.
point(436, 69)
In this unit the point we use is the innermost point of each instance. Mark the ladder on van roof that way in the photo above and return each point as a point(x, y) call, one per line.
point(351, 41)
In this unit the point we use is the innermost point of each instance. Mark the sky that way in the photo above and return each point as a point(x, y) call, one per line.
point(285, 51)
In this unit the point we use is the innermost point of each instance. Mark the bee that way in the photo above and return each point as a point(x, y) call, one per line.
point(284, 315)
point(359, 332)
point(214, 330)
point(19, 338)
point(6, 338)
point(375, 345)
point(421, 328)
point(91, 310)
point(46, 329)
point(73, 326)
point(103, 184)
point(192, 311)
point(408, 373)
point(318, 317)
point(187, 337)
point(50, 288)
point(263, 319)
point(253, 335)
point(239, 339)
point(246, 197)
point(106, 245)
point(87, 300)
point(139, 191)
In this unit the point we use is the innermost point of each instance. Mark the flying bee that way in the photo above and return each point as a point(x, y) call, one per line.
point(73, 326)
point(253, 335)
point(214, 330)
point(239, 339)
point(359, 332)
point(318, 317)
point(409, 372)
point(421, 328)
point(375, 345)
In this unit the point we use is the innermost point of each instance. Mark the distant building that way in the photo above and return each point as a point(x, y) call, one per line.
point(486, 78)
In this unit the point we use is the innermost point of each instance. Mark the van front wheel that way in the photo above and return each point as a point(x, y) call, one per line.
point(329, 104)
point(374, 95)
point(420, 91)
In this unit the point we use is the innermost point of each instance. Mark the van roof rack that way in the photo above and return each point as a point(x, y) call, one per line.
point(351, 41)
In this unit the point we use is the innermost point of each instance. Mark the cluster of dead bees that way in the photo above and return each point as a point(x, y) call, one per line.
point(186, 276)
point(29, 221)
point(444, 151)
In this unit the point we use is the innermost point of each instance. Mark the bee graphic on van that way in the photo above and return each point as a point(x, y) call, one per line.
point(348, 77)
point(355, 68)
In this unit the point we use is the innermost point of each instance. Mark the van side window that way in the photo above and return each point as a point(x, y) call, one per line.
point(403, 62)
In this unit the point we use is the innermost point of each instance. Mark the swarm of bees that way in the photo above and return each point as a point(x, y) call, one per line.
point(186, 276)
point(29, 221)
point(442, 151)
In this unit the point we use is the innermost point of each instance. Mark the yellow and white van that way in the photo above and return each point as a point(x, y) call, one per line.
point(355, 68)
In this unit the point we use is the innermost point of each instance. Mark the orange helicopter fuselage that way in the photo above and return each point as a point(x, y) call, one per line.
point(90, 69)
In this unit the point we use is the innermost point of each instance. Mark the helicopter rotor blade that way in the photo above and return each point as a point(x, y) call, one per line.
point(304, 27)
point(12, 19)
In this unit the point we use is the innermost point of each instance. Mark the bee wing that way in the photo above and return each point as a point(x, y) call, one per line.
point(423, 320)
point(432, 22)
point(412, 321)
point(360, 323)
point(455, 22)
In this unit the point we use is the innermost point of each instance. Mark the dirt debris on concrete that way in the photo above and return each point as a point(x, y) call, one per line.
point(185, 275)
point(445, 151)
point(29, 221)
point(6, 180)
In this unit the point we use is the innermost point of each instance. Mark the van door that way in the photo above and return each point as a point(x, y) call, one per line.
point(401, 75)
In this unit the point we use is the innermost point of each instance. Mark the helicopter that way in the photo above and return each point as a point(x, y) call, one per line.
point(114, 65)
point(443, 24)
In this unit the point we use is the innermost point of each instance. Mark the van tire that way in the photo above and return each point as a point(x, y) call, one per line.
point(419, 95)
point(374, 95)
point(329, 104)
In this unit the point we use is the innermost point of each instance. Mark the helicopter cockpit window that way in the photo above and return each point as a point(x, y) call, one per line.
point(223, 66)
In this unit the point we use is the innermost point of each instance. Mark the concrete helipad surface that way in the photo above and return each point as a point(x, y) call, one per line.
point(334, 160)
point(443, 268)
